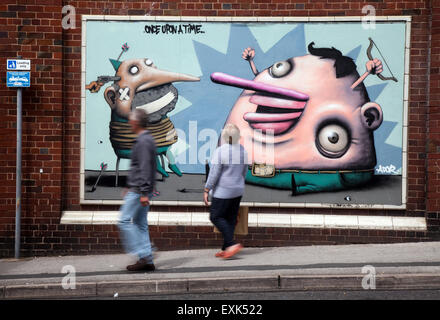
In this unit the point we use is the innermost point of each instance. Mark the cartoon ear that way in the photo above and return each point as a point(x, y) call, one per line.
point(372, 115)
point(110, 96)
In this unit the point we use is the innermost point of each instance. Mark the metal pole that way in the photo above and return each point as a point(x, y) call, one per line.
point(18, 175)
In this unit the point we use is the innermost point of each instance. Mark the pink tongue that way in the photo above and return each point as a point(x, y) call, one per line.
point(270, 117)
point(272, 127)
point(277, 102)
point(276, 122)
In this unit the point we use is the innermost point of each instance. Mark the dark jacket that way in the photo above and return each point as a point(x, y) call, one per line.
point(142, 177)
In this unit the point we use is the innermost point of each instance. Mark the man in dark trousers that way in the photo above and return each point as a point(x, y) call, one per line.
point(133, 221)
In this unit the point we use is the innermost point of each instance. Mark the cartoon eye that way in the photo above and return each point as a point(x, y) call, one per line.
point(333, 140)
point(134, 70)
point(280, 69)
point(148, 62)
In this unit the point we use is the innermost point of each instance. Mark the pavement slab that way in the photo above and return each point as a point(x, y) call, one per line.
point(394, 266)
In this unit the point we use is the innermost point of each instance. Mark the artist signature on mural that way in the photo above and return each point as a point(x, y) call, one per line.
point(188, 28)
point(387, 169)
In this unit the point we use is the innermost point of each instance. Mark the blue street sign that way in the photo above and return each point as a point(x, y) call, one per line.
point(18, 64)
point(12, 65)
point(15, 79)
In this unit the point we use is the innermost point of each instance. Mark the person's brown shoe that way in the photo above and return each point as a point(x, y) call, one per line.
point(141, 265)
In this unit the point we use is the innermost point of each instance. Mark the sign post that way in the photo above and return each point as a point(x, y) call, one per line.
point(18, 79)
point(18, 175)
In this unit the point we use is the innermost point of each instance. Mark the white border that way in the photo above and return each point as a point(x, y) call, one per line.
point(275, 220)
point(406, 19)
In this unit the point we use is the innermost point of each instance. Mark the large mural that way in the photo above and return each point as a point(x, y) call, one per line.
point(320, 107)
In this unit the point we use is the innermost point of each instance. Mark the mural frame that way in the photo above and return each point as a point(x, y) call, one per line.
point(404, 19)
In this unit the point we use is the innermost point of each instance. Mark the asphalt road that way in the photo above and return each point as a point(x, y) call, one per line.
point(296, 295)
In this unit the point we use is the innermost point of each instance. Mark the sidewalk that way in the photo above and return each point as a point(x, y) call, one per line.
point(396, 266)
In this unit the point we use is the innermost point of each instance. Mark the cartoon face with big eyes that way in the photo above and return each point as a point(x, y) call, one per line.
point(143, 85)
point(308, 113)
point(138, 83)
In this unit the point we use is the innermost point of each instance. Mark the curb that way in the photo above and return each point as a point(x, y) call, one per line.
point(204, 285)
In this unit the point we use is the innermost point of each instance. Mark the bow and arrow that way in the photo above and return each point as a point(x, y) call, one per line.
point(375, 66)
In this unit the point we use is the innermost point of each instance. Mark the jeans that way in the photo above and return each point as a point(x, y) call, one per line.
point(133, 225)
point(223, 214)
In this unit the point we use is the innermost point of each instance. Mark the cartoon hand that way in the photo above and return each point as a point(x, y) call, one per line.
point(94, 86)
point(374, 66)
point(248, 54)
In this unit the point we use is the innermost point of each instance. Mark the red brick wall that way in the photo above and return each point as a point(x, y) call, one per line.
point(52, 110)
point(433, 117)
point(34, 32)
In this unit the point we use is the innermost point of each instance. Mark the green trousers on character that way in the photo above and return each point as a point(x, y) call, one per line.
point(305, 182)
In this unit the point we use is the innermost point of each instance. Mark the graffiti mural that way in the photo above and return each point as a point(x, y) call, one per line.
point(321, 114)
point(318, 116)
point(138, 83)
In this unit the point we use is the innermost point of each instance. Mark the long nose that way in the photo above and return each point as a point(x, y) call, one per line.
point(226, 79)
point(157, 77)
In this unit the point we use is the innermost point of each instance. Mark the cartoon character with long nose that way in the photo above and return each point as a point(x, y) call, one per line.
point(307, 122)
point(138, 83)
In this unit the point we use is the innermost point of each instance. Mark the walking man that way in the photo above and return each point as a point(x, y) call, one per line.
point(133, 222)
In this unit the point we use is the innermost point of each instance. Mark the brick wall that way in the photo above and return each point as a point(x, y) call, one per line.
point(433, 117)
point(32, 31)
point(52, 111)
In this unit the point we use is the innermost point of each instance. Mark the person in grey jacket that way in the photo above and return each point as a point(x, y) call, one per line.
point(226, 179)
point(133, 222)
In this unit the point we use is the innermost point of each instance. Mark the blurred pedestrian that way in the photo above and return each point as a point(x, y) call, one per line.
point(225, 184)
point(133, 222)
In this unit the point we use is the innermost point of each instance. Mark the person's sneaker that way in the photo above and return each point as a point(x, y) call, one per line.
point(232, 250)
point(220, 254)
point(141, 265)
